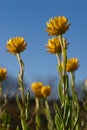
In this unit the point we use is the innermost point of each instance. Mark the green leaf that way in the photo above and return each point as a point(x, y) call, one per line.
point(58, 118)
point(60, 91)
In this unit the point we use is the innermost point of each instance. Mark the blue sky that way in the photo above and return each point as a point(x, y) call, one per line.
point(27, 18)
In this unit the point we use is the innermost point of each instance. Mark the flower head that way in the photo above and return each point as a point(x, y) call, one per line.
point(57, 26)
point(3, 74)
point(36, 88)
point(46, 90)
point(54, 45)
point(72, 64)
point(40, 90)
point(16, 45)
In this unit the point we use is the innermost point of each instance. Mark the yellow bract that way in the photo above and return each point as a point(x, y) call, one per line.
point(3, 74)
point(16, 45)
point(57, 26)
point(54, 46)
point(72, 64)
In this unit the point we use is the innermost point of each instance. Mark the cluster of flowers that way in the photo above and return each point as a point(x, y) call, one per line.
point(40, 90)
point(56, 45)
point(57, 27)
point(68, 117)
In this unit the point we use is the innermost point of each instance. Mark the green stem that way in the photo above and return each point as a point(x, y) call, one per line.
point(24, 106)
point(75, 104)
point(24, 126)
point(21, 64)
point(74, 94)
point(48, 116)
point(58, 59)
point(38, 110)
point(20, 77)
point(64, 53)
point(37, 104)
point(64, 60)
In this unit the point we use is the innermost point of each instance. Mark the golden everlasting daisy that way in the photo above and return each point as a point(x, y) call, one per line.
point(3, 74)
point(72, 64)
point(54, 46)
point(40, 90)
point(57, 26)
point(46, 90)
point(16, 45)
point(36, 88)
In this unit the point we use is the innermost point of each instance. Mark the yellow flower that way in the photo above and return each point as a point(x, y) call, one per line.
point(36, 88)
point(46, 90)
point(72, 64)
point(40, 90)
point(57, 26)
point(16, 45)
point(54, 46)
point(3, 74)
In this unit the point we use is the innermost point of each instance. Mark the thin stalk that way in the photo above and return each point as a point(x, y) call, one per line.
point(39, 110)
point(75, 104)
point(64, 60)
point(64, 54)
point(74, 94)
point(48, 116)
point(58, 59)
point(23, 107)
point(20, 77)
point(37, 104)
